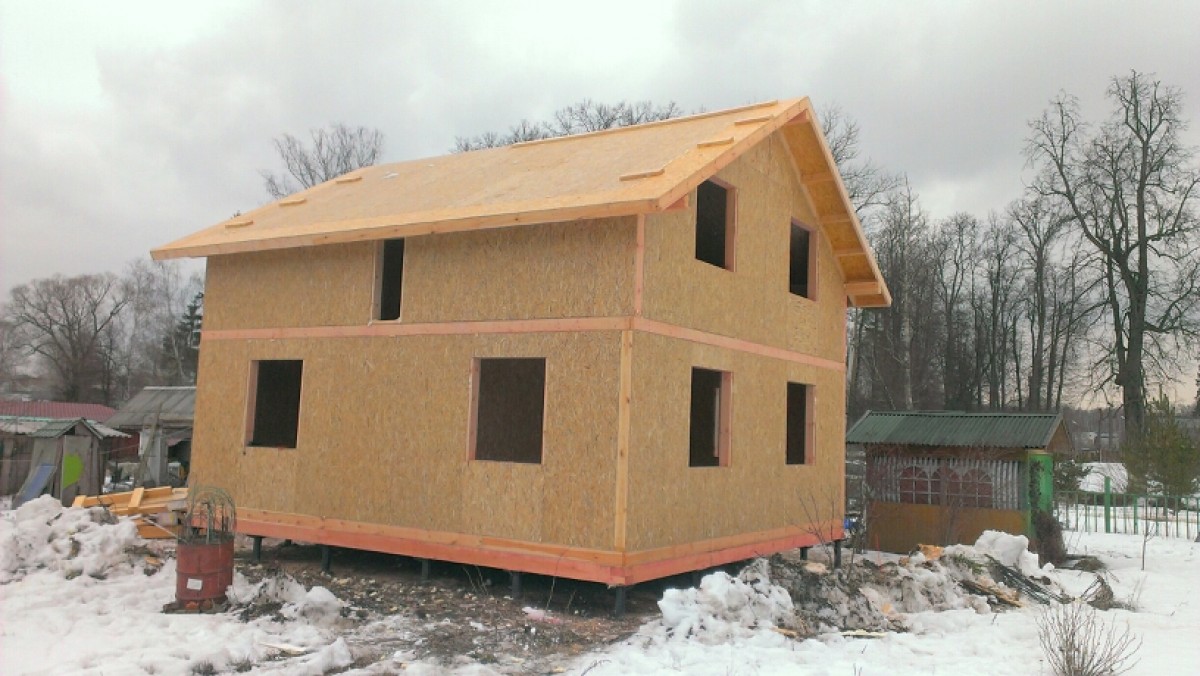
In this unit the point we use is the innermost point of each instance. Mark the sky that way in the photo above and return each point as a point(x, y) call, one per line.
point(127, 124)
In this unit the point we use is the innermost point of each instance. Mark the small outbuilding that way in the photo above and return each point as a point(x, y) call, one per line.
point(159, 422)
point(68, 459)
point(945, 477)
point(615, 356)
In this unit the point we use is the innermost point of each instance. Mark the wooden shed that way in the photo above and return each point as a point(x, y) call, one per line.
point(613, 357)
point(945, 477)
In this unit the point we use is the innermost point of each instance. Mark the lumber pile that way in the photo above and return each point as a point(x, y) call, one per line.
point(158, 512)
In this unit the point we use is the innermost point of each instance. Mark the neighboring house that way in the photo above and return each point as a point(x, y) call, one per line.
point(612, 357)
point(945, 477)
point(159, 422)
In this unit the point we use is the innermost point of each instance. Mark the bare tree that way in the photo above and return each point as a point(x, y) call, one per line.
point(10, 351)
point(64, 321)
point(867, 184)
point(955, 246)
point(1130, 187)
point(578, 118)
point(332, 151)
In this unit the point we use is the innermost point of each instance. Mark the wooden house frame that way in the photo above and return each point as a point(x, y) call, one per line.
point(611, 357)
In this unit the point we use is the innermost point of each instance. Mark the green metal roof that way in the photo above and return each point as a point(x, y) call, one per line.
point(950, 428)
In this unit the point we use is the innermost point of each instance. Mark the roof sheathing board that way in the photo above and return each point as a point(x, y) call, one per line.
point(617, 172)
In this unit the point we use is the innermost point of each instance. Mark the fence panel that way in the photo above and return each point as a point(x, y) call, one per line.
point(1134, 514)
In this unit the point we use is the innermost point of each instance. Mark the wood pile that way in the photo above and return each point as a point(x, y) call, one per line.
point(158, 512)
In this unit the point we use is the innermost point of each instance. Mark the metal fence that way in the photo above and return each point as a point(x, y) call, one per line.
point(1135, 514)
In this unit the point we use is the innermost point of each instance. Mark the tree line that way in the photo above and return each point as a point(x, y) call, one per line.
point(100, 338)
point(1089, 281)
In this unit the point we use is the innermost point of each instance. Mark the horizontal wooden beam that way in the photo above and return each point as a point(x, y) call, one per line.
point(607, 566)
point(572, 325)
point(849, 251)
point(862, 288)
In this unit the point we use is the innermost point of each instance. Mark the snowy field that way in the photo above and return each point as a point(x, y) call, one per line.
point(75, 598)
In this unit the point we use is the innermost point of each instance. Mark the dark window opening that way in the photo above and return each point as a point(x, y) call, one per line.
point(391, 277)
point(276, 402)
point(714, 220)
point(799, 441)
point(709, 434)
point(509, 409)
point(799, 276)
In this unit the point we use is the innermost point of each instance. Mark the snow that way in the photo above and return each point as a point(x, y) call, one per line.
point(78, 595)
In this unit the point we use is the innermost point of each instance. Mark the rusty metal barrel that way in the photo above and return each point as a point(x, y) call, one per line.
point(203, 570)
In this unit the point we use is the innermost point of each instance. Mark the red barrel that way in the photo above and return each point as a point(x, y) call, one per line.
point(203, 571)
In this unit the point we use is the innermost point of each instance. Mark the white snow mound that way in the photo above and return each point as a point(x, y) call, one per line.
point(724, 607)
point(42, 534)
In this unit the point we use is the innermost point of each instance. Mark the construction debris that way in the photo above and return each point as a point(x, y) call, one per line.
point(157, 512)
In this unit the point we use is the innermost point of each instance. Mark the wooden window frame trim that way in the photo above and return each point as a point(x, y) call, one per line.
point(473, 415)
point(252, 405)
point(731, 222)
point(814, 242)
point(377, 283)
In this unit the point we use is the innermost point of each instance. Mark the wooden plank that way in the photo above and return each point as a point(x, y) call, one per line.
point(716, 143)
point(695, 336)
point(753, 120)
point(624, 406)
point(639, 267)
point(577, 324)
point(642, 174)
point(861, 288)
point(136, 498)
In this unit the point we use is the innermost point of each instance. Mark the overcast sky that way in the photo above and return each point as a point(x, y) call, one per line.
point(124, 125)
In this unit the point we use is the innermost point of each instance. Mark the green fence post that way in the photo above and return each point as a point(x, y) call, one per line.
point(1107, 505)
point(1135, 515)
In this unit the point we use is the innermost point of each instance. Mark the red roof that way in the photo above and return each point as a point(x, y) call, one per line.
point(57, 410)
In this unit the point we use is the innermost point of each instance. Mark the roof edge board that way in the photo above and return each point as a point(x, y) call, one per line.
point(794, 109)
point(371, 230)
point(655, 123)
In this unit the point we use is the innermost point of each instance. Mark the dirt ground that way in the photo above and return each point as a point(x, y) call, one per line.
point(460, 612)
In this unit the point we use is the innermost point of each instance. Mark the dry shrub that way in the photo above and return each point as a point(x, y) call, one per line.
point(1078, 643)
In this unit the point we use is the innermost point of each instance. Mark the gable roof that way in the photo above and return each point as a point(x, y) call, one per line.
point(950, 428)
point(55, 410)
point(625, 171)
point(58, 428)
point(170, 406)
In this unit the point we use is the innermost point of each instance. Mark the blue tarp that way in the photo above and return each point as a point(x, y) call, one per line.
point(34, 485)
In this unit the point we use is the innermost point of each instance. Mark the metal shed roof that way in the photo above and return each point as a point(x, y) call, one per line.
point(948, 428)
point(57, 428)
point(170, 406)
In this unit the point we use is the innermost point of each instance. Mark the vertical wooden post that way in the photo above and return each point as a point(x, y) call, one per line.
point(619, 607)
point(804, 553)
point(326, 559)
point(257, 548)
point(516, 583)
point(837, 553)
point(425, 570)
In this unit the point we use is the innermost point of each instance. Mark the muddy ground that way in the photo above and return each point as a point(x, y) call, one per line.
point(461, 612)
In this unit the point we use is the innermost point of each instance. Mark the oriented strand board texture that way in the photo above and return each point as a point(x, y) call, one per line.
point(671, 503)
point(315, 286)
point(752, 301)
point(383, 436)
point(581, 269)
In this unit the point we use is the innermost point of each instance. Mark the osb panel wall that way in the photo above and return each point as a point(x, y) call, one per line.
point(752, 301)
point(671, 503)
point(580, 269)
point(309, 286)
point(383, 436)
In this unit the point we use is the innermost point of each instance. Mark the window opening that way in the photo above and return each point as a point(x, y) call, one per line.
point(714, 224)
point(391, 278)
point(914, 486)
point(509, 405)
point(799, 429)
point(801, 280)
point(276, 405)
point(710, 418)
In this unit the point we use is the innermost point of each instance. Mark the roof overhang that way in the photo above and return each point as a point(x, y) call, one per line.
point(629, 171)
